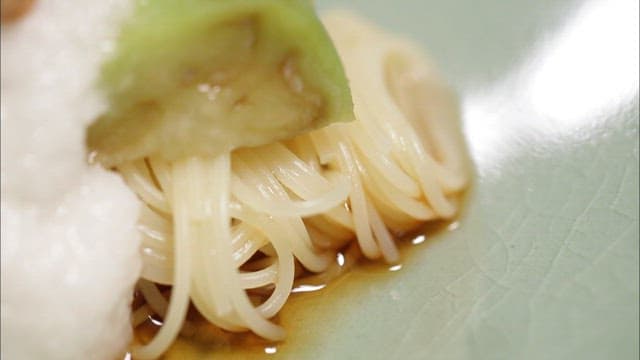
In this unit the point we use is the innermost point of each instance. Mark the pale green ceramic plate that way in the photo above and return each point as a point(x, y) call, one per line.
point(544, 264)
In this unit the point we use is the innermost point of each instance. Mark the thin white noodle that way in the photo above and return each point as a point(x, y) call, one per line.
point(385, 240)
point(214, 228)
point(285, 258)
point(153, 297)
point(328, 226)
point(157, 269)
point(140, 315)
point(272, 190)
point(341, 216)
point(380, 188)
point(179, 300)
point(383, 165)
point(138, 178)
point(303, 208)
point(256, 279)
point(358, 202)
point(246, 243)
point(214, 233)
point(162, 172)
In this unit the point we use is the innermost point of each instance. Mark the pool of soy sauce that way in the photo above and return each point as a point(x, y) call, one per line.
point(309, 312)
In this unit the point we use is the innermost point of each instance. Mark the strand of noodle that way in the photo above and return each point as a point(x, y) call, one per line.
point(327, 241)
point(306, 148)
point(295, 174)
point(162, 172)
point(382, 140)
point(394, 219)
point(379, 187)
point(254, 319)
point(156, 248)
point(301, 146)
point(158, 225)
point(449, 180)
point(214, 231)
point(379, 49)
point(140, 315)
point(179, 300)
point(261, 263)
point(139, 180)
point(383, 110)
point(335, 231)
point(324, 145)
point(243, 308)
point(436, 104)
point(284, 253)
point(390, 118)
point(216, 270)
point(144, 312)
point(302, 246)
point(157, 268)
point(155, 229)
point(281, 207)
point(383, 165)
point(422, 166)
point(341, 216)
point(293, 223)
point(153, 297)
point(157, 259)
point(268, 250)
point(157, 256)
point(205, 308)
point(319, 195)
point(203, 280)
point(246, 242)
point(312, 260)
point(358, 202)
point(411, 144)
point(385, 240)
point(319, 239)
point(256, 279)
point(350, 257)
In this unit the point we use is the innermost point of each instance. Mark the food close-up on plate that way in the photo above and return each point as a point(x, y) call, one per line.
point(296, 179)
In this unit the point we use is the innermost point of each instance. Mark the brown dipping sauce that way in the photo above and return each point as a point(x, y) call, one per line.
point(12, 10)
point(204, 340)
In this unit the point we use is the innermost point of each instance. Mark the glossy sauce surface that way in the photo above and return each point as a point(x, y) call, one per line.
point(310, 311)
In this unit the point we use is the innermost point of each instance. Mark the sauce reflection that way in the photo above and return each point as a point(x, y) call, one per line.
point(200, 339)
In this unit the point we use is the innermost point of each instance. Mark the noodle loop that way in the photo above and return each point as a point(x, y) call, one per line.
point(227, 231)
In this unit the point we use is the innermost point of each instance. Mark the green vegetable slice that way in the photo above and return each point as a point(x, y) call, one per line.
point(203, 77)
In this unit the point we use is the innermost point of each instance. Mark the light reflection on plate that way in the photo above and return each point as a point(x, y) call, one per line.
point(568, 85)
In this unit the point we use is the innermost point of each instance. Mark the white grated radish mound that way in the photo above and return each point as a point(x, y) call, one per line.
point(69, 252)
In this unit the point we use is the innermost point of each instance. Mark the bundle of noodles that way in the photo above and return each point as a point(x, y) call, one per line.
point(255, 159)
point(230, 233)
